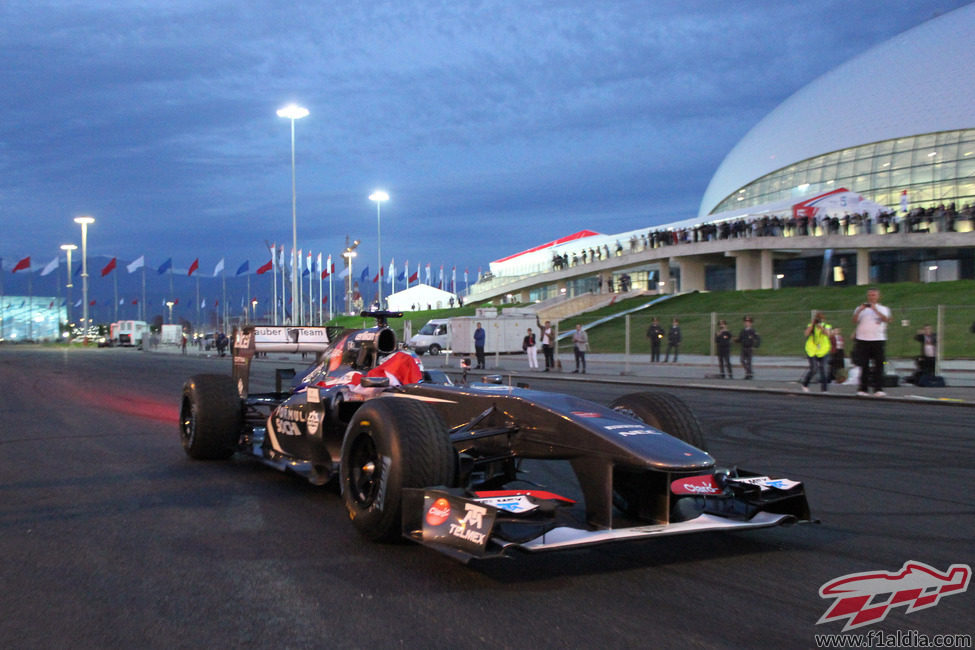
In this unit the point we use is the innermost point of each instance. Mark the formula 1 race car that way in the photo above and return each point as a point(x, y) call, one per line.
point(448, 466)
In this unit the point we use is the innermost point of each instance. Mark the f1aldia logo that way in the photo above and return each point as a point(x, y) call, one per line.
point(866, 598)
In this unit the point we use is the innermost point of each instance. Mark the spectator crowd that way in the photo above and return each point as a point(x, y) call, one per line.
point(938, 218)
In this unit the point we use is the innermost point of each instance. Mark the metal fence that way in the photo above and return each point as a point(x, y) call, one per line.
point(782, 333)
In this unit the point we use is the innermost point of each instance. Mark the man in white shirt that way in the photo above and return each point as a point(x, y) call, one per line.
point(870, 334)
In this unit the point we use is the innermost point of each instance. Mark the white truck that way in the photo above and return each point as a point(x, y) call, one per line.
point(128, 332)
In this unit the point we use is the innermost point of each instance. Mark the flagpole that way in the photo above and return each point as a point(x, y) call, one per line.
point(274, 281)
point(115, 284)
point(30, 305)
point(311, 293)
point(142, 307)
point(223, 280)
point(330, 312)
point(198, 317)
point(3, 302)
point(284, 293)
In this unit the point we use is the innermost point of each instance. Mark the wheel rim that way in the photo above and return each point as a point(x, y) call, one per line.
point(187, 420)
point(365, 470)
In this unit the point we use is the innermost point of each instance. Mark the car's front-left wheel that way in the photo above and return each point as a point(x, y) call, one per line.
point(210, 417)
point(390, 444)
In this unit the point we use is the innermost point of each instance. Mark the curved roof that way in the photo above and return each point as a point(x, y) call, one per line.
point(917, 82)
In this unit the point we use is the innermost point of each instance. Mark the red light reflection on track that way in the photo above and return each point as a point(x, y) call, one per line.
point(137, 405)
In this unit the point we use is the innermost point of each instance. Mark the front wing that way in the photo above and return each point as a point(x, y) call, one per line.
point(466, 526)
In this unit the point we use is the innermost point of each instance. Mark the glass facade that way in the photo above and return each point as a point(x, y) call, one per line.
point(934, 168)
point(35, 318)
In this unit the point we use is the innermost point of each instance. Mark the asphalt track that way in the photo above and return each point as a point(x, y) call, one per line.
point(111, 537)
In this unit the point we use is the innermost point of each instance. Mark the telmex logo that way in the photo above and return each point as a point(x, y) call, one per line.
point(866, 598)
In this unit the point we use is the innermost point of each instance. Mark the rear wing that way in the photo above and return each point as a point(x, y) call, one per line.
point(283, 339)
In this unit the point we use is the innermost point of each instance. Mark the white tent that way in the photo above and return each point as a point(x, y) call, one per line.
point(420, 297)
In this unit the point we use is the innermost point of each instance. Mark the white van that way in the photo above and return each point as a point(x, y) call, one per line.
point(432, 337)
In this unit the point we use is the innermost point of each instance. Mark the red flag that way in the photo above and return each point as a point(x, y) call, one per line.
point(22, 264)
point(92, 303)
point(267, 267)
point(51, 305)
point(194, 266)
point(324, 299)
point(415, 277)
point(108, 268)
point(176, 301)
point(135, 301)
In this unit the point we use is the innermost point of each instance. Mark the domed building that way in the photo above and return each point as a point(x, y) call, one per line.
point(895, 124)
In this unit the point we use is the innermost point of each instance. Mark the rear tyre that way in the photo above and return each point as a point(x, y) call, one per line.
point(666, 412)
point(434, 350)
point(391, 444)
point(210, 417)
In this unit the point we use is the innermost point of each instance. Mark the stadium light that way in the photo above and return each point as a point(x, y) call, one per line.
point(68, 248)
point(379, 196)
point(294, 112)
point(85, 221)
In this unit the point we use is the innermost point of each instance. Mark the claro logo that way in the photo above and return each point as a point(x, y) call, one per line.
point(866, 598)
point(438, 512)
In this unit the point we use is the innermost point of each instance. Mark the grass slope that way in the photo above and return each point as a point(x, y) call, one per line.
point(780, 316)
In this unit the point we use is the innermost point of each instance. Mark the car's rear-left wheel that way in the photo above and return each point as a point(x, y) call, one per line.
point(390, 444)
point(210, 417)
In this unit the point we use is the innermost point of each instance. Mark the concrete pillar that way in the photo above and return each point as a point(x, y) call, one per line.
point(863, 266)
point(767, 270)
point(664, 274)
point(692, 276)
point(525, 296)
point(748, 271)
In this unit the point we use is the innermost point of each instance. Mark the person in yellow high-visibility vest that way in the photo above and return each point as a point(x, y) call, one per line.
point(817, 350)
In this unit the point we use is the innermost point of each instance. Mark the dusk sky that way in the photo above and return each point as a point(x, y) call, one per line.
point(494, 126)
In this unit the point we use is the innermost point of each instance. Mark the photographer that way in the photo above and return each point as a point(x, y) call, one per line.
point(870, 335)
point(817, 349)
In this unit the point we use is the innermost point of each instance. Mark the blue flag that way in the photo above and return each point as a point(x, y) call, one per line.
point(243, 268)
point(77, 271)
point(165, 266)
point(365, 274)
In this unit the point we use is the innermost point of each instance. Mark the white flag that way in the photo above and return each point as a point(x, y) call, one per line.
point(218, 267)
point(136, 264)
point(53, 264)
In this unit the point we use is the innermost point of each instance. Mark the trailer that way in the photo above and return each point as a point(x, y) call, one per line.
point(172, 334)
point(504, 332)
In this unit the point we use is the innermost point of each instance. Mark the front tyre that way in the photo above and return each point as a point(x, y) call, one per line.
point(210, 417)
point(666, 412)
point(434, 350)
point(391, 443)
